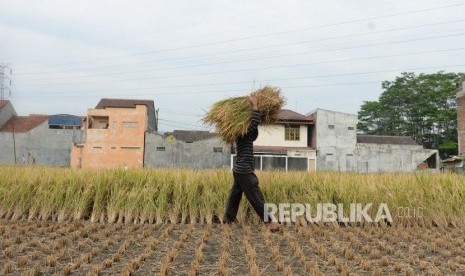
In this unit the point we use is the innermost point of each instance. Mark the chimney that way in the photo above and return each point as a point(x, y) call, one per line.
point(461, 116)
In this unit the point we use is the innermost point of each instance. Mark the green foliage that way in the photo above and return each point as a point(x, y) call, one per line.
point(420, 106)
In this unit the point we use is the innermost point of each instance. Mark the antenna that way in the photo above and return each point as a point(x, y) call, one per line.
point(5, 80)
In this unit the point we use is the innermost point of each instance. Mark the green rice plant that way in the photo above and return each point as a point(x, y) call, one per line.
point(118, 192)
point(164, 199)
point(178, 210)
point(101, 196)
point(147, 200)
point(196, 196)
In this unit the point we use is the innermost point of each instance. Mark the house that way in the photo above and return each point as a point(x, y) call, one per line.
point(36, 139)
point(115, 134)
point(326, 140)
point(340, 148)
point(123, 133)
point(286, 144)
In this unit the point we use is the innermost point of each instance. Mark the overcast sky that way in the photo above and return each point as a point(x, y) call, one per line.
point(185, 55)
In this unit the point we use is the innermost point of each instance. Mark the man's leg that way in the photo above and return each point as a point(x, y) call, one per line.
point(233, 202)
point(249, 184)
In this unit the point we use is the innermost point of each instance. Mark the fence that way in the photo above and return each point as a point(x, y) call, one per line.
point(281, 162)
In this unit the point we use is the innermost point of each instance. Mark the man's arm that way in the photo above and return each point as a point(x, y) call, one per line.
point(255, 119)
point(256, 116)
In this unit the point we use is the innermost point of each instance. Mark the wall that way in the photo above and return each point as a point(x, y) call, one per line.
point(461, 118)
point(6, 112)
point(115, 146)
point(340, 135)
point(178, 154)
point(337, 148)
point(40, 146)
point(273, 135)
point(390, 158)
point(335, 145)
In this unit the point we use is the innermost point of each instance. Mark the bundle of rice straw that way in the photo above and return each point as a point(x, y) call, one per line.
point(232, 116)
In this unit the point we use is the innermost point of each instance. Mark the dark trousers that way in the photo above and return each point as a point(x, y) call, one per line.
point(247, 184)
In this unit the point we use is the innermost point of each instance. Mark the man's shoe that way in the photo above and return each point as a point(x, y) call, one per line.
point(228, 221)
point(216, 220)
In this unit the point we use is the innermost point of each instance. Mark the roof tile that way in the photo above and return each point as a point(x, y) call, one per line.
point(24, 123)
point(286, 115)
point(384, 139)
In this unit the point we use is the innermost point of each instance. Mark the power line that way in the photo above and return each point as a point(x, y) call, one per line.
point(260, 81)
point(256, 48)
point(261, 68)
point(270, 80)
point(170, 30)
point(177, 122)
point(262, 35)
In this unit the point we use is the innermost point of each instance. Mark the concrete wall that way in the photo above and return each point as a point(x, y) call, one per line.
point(161, 152)
point(391, 158)
point(337, 148)
point(336, 159)
point(40, 146)
point(6, 112)
point(339, 135)
point(373, 158)
point(335, 140)
point(273, 135)
point(461, 118)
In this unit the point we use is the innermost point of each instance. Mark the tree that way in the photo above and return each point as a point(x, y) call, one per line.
point(420, 106)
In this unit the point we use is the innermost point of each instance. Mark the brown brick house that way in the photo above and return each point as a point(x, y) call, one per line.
point(115, 134)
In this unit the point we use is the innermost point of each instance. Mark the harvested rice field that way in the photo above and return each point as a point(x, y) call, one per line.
point(162, 222)
point(85, 248)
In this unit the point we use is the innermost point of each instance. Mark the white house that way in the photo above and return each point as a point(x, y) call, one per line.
point(328, 141)
point(286, 144)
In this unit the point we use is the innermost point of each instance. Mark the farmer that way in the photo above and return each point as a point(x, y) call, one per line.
point(245, 179)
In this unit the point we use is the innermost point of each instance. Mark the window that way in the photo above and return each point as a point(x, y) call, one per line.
point(350, 128)
point(130, 124)
point(330, 157)
point(217, 149)
point(98, 122)
point(130, 148)
point(160, 148)
point(331, 126)
point(97, 147)
point(292, 133)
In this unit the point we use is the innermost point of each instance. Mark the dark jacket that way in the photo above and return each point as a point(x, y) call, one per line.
point(245, 159)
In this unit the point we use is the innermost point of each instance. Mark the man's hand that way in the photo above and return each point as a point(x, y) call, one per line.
point(254, 100)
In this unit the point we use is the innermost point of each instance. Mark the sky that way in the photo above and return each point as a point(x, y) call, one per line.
point(185, 55)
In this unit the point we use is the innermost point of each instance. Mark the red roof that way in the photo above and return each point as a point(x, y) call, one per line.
point(24, 123)
point(289, 116)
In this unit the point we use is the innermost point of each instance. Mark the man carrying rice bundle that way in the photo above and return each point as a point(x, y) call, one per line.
point(232, 119)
